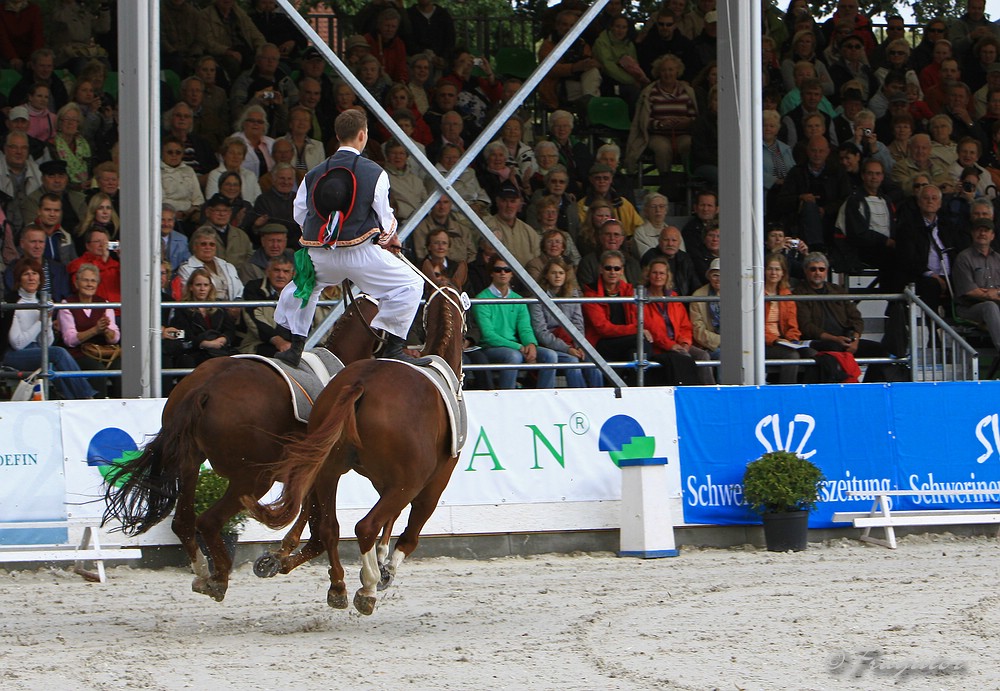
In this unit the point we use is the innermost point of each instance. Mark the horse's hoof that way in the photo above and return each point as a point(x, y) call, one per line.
point(209, 587)
point(388, 573)
point(267, 566)
point(364, 603)
point(337, 600)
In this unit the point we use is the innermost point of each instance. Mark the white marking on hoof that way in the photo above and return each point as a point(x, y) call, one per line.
point(200, 566)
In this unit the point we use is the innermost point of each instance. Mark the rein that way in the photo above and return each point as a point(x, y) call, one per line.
point(349, 298)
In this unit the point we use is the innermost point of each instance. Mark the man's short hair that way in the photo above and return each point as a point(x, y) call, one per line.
point(50, 197)
point(816, 258)
point(95, 229)
point(349, 125)
point(280, 260)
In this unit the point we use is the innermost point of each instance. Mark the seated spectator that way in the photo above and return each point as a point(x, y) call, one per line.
point(666, 36)
point(977, 62)
point(399, 98)
point(982, 98)
point(805, 49)
point(462, 245)
point(590, 228)
point(316, 97)
point(232, 154)
point(387, 45)
point(59, 243)
point(438, 264)
point(283, 152)
point(547, 211)
point(242, 215)
point(902, 130)
point(611, 237)
point(777, 159)
point(668, 328)
point(445, 99)
point(40, 70)
point(88, 98)
point(83, 328)
point(611, 327)
point(266, 85)
point(56, 181)
point(619, 61)
point(865, 137)
point(834, 326)
point(943, 150)
point(211, 114)
point(918, 162)
point(252, 126)
point(179, 183)
point(99, 256)
point(852, 65)
point(32, 246)
point(556, 182)
point(496, 173)
point(174, 245)
point(277, 28)
point(958, 107)
point(792, 249)
point(420, 80)
point(813, 125)
point(71, 146)
point(208, 331)
point(373, 77)
point(705, 316)
point(553, 246)
point(100, 214)
point(75, 28)
point(17, 121)
point(406, 189)
point(277, 204)
point(516, 235)
point(647, 235)
point(812, 195)
point(41, 120)
point(685, 277)
point(22, 33)
point(610, 154)
point(520, 157)
point(228, 34)
point(467, 185)
point(546, 159)
point(273, 243)
point(868, 219)
point(574, 154)
point(599, 187)
point(926, 245)
point(576, 77)
point(234, 244)
point(931, 74)
point(198, 153)
point(933, 99)
point(781, 328)
point(507, 336)
point(968, 154)
point(811, 103)
point(204, 248)
point(279, 273)
point(666, 111)
point(557, 280)
point(25, 335)
point(450, 134)
point(976, 280)
point(178, 38)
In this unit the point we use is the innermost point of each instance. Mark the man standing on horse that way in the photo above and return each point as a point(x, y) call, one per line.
point(347, 225)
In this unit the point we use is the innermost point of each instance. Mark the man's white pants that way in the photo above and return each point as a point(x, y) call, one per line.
point(374, 270)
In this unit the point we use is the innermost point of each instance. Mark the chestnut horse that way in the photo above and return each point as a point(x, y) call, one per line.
point(386, 421)
point(238, 414)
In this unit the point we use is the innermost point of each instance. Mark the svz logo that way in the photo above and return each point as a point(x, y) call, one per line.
point(988, 425)
point(774, 422)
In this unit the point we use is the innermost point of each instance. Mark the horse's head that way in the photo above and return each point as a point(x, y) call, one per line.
point(352, 337)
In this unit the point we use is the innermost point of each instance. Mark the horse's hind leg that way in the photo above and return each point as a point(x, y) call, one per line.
point(271, 564)
point(326, 530)
point(184, 521)
point(421, 508)
point(376, 522)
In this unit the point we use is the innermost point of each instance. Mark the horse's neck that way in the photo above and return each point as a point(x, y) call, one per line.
point(445, 339)
point(351, 339)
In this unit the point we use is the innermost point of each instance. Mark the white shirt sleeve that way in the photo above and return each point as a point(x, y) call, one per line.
point(299, 205)
point(380, 204)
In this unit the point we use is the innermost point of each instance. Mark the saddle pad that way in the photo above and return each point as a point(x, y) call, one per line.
point(450, 388)
point(305, 382)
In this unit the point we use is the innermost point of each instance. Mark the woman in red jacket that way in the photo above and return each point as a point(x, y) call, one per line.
point(668, 326)
point(781, 324)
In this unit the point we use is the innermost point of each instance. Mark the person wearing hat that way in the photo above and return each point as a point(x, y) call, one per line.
point(705, 316)
point(55, 180)
point(355, 48)
point(234, 244)
point(976, 280)
point(347, 224)
point(273, 243)
point(599, 179)
point(851, 65)
point(516, 235)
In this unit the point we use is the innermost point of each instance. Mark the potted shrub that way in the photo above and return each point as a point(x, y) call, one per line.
point(211, 487)
point(783, 488)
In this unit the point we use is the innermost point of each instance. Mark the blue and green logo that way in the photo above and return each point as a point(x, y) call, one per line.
point(625, 440)
point(109, 447)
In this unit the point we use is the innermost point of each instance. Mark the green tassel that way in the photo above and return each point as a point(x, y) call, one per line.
point(305, 276)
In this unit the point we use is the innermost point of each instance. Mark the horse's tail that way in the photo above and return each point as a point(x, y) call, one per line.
point(303, 460)
point(142, 491)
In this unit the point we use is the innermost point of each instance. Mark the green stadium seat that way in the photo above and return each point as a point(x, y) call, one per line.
point(8, 78)
point(610, 112)
point(515, 62)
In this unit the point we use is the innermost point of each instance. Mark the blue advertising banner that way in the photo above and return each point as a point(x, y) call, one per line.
point(863, 437)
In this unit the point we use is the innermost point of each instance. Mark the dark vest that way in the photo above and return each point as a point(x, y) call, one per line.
point(357, 226)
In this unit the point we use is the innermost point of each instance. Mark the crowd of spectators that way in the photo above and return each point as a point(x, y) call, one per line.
point(880, 153)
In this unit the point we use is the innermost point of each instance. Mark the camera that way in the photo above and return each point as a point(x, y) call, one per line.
point(178, 335)
point(793, 243)
point(867, 132)
point(478, 62)
point(113, 245)
point(267, 96)
point(968, 186)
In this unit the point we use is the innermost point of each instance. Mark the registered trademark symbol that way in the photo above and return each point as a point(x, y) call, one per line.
point(579, 423)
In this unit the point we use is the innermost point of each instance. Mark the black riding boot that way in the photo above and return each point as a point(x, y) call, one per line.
point(293, 354)
point(393, 349)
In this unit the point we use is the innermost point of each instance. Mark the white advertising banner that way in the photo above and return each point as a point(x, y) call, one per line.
point(32, 484)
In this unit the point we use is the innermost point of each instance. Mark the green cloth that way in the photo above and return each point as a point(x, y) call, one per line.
point(503, 325)
point(305, 276)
